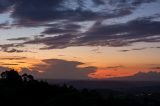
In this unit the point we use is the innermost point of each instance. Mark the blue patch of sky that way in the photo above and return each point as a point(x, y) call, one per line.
point(18, 32)
point(82, 4)
point(5, 17)
point(15, 32)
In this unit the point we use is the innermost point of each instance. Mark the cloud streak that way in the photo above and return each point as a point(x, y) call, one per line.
point(13, 58)
point(118, 35)
point(19, 39)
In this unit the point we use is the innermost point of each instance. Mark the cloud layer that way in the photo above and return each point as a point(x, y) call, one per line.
point(124, 34)
point(64, 18)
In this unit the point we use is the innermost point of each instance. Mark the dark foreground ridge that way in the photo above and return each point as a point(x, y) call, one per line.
point(24, 90)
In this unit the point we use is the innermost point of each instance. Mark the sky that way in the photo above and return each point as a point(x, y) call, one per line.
point(80, 39)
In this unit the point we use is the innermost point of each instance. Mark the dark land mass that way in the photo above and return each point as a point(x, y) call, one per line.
point(16, 90)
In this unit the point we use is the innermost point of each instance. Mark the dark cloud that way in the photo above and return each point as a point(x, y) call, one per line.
point(13, 51)
point(31, 12)
point(62, 16)
point(123, 34)
point(115, 68)
point(34, 11)
point(155, 47)
point(135, 49)
point(38, 12)
point(99, 2)
point(117, 35)
point(138, 49)
point(60, 29)
point(57, 42)
point(11, 45)
point(124, 50)
point(12, 48)
point(155, 67)
point(6, 64)
point(5, 5)
point(55, 68)
point(38, 36)
point(20, 38)
point(6, 47)
point(21, 62)
point(5, 25)
point(138, 2)
point(13, 58)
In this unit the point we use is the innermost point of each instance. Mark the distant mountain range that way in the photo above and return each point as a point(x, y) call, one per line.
point(140, 76)
point(139, 80)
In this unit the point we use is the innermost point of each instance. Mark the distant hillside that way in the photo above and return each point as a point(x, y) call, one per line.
point(140, 76)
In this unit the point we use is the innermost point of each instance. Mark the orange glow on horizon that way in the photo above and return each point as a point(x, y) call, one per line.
point(102, 74)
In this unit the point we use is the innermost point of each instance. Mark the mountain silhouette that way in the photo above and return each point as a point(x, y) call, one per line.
point(140, 76)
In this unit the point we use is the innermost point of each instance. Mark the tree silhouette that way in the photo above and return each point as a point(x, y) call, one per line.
point(24, 77)
point(11, 75)
point(27, 78)
point(3, 75)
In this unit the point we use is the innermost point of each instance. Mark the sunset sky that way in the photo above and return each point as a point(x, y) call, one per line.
point(80, 39)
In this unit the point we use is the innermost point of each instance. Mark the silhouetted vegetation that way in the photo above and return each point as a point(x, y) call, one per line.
point(26, 91)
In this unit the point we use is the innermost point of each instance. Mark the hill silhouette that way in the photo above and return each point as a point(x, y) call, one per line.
point(24, 90)
point(140, 76)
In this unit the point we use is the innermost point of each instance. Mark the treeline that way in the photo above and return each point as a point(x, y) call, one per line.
point(24, 90)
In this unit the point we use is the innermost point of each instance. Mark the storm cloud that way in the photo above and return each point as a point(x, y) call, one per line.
point(57, 69)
